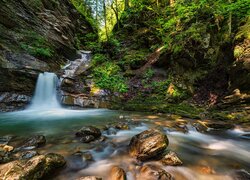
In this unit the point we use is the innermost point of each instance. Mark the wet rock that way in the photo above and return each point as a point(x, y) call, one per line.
point(90, 178)
point(203, 126)
point(241, 175)
point(171, 159)
point(33, 142)
point(6, 148)
point(87, 138)
point(6, 153)
point(111, 131)
point(86, 155)
point(79, 160)
point(122, 126)
point(88, 134)
point(34, 168)
point(88, 130)
point(102, 139)
point(205, 170)
point(149, 172)
point(181, 126)
point(220, 126)
point(200, 126)
point(28, 154)
point(148, 144)
point(117, 173)
point(5, 139)
point(245, 136)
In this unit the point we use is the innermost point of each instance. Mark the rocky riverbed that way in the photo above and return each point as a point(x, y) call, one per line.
point(102, 144)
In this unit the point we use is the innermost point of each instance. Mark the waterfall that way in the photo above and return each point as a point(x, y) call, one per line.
point(45, 96)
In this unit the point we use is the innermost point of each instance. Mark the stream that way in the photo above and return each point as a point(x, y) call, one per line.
point(210, 155)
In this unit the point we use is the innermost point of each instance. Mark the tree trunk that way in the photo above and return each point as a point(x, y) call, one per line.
point(171, 3)
point(96, 9)
point(105, 19)
point(126, 4)
point(230, 22)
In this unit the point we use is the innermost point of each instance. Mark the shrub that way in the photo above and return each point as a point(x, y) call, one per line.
point(108, 77)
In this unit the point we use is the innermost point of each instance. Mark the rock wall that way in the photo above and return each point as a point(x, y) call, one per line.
point(35, 36)
point(77, 85)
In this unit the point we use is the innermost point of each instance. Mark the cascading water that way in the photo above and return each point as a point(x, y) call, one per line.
point(45, 96)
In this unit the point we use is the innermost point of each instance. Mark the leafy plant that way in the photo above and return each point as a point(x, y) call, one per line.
point(108, 77)
point(36, 45)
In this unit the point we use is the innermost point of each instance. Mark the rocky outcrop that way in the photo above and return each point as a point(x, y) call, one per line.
point(77, 87)
point(36, 36)
point(34, 168)
point(148, 144)
point(10, 101)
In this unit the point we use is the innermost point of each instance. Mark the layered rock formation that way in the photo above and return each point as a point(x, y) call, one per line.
point(36, 36)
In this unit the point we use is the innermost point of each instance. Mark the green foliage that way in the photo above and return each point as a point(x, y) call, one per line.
point(36, 45)
point(244, 31)
point(99, 59)
point(134, 58)
point(85, 10)
point(108, 77)
point(149, 73)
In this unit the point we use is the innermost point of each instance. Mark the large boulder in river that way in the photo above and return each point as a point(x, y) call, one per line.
point(148, 144)
point(150, 172)
point(35, 168)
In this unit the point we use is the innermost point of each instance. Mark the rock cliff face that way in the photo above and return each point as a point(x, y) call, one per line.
point(35, 36)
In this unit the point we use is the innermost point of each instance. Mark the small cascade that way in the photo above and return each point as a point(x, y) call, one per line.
point(45, 96)
point(76, 67)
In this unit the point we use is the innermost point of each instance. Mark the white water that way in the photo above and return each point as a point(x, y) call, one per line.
point(45, 97)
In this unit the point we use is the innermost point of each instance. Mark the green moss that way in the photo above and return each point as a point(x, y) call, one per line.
point(231, 115)
point(160, 106)
point(36, 45)
point(238, 51)
point(134, 58)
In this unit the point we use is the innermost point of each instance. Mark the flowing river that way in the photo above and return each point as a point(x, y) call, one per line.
point(212, 154)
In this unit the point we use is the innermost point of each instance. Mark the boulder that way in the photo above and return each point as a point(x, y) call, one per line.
point(79, 160)
point(34, 168)
point(88, 130)
point(117, 173)
point(88, 134)
point(171, 159)
point(148, 144)
point(87, 138)
point(149, 172)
